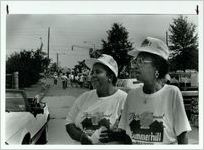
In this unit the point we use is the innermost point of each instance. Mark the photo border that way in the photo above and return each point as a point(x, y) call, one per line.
point(101, 7)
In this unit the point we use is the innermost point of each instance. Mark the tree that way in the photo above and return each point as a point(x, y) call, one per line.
point(80, 67)
point(29, 64)
point(184, 48)
point(95, 53)
point(54, 67)
point(117, 45)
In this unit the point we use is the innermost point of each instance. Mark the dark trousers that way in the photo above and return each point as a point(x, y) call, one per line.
point(64, 84)
point(55, 81)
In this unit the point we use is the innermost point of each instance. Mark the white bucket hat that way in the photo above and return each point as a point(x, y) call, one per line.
point(152, 45)
point(106, 60)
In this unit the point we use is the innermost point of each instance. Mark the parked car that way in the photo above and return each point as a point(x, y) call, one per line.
point(26, 119)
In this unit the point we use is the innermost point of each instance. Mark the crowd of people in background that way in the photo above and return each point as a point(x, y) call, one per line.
point(71, 80)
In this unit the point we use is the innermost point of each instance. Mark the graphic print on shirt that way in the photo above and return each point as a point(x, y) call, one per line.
point(92, 122)
point(145, 128)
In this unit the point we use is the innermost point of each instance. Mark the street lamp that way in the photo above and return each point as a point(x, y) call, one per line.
point(41, 44)
point(91, 44)
point(78, 46)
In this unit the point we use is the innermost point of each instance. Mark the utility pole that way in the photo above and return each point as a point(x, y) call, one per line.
point(167, 36)
point(57, 59)
point(78, 46)
point(48, 43)
point(41, 44)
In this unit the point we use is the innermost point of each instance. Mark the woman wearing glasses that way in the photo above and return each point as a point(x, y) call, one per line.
point(153, 113)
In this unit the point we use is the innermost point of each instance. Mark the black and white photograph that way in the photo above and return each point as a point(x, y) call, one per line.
point(98, 78)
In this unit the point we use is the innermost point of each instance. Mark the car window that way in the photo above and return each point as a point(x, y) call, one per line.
point(15, 102)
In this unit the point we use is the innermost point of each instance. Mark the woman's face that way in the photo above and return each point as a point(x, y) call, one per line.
point(99, 77)
point(144, 69)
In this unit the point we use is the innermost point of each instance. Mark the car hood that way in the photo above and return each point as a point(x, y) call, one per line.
point(15, 121)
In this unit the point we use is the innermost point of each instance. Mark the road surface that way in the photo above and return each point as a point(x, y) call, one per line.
point(59, 102)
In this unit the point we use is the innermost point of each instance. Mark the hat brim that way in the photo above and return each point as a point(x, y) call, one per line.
point(90, 62)
point(136, 51)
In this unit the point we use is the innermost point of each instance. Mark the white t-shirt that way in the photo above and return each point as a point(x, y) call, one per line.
point(55, 76)
point(64, 77)
point(156, 118)
point(77, 78)
point(89, 109)
point(81, 78)
point(71, 76)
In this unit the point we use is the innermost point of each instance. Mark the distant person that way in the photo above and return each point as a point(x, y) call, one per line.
point(154, 113)
point(64, 81)
point(55, 78)
point(68, 81)
point(71, 77)
point(77, 80)
point(97, 109)
point(81, 80)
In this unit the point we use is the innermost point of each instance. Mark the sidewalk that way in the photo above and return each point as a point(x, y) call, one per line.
point(193, 135)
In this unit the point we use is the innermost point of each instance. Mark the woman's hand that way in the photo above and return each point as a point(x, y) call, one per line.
point(104, 136)
point(115, 135)
point(78, 135)
point(182, 138)
point(84, 139)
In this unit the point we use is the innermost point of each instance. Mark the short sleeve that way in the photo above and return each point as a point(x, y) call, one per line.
point(74, 110)
point(123, 119)
point(181, 123)
point(122, 103)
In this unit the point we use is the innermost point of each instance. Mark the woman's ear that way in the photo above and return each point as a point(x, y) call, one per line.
point(110, 77)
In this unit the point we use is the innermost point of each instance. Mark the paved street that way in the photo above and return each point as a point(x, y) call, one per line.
point(59, 102)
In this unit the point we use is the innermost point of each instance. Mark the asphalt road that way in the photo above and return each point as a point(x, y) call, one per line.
point(59, 102)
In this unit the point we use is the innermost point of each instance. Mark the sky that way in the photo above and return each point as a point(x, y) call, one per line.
point(84, 31)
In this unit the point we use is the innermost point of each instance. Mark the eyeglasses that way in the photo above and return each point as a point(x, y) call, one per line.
point(139, 61)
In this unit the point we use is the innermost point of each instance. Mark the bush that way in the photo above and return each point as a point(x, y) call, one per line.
point(29, 64)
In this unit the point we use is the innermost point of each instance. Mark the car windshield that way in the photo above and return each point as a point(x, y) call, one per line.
point(15, 102)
